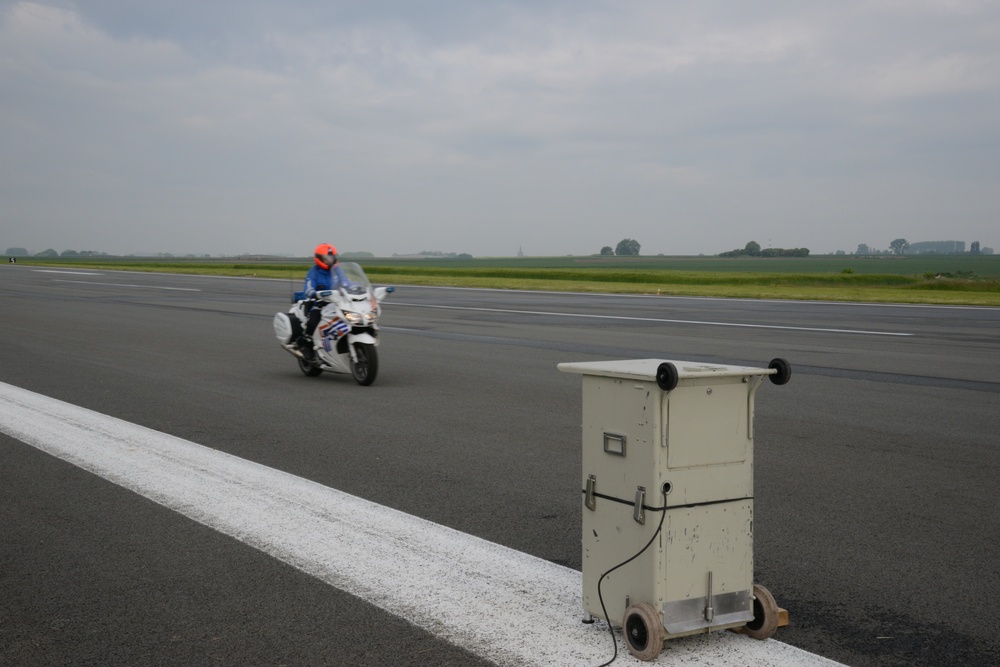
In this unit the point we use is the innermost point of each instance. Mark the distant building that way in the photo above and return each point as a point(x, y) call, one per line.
point(937, 247)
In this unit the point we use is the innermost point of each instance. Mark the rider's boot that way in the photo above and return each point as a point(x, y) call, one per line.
point(305, 345)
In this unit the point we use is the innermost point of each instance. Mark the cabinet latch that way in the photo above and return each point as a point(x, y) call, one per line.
point(589, 500)
point(638, 513)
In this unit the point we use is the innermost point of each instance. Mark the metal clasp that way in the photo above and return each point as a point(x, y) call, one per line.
point(590, 501)
point(637, 512)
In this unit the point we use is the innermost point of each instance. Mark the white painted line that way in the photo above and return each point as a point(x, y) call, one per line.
point(73, 273)
point(91, 282)
point(503, 605)
point(674, 297)
point(655, 319)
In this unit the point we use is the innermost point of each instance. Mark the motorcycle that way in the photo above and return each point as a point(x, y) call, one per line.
point(346, 339)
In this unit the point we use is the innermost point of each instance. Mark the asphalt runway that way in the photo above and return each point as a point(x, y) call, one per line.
point(875, 472)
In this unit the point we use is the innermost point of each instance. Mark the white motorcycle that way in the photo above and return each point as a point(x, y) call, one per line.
point(346, 339)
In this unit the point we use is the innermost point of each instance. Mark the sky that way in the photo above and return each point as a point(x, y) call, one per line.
point(551, 127)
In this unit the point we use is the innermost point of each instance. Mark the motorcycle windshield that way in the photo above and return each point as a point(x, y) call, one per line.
point(356, 275)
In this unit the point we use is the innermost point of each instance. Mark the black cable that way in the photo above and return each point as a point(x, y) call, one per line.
point(611, 627)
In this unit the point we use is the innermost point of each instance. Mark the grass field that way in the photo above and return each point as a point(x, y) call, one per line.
point(943, 279)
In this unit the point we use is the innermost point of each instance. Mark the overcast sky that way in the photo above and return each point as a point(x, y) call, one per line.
point(559, 127)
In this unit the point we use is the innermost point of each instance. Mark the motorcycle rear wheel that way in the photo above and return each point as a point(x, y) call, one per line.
point(365, 368)
point(309, 369)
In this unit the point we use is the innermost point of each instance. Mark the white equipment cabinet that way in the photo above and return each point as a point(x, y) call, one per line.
point(668, 472)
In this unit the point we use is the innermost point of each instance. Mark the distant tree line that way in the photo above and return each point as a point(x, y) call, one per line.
point(49, 252)
point(901, 246)
point(438, 253)
point(753, 249)
point(625, 247)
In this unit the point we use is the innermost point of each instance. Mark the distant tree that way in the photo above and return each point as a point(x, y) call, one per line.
point(16, 252)
point(69, 253)
point(752, 249)
point(627, 247)
point(863, 249)
point(840, 252)
point(899, 246)
point(463, 255)
point(606, 250)
point(974, 248)
point(48, 252)
point(985, 250)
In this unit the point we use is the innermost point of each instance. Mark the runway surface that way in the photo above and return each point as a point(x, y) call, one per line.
point(875, 502)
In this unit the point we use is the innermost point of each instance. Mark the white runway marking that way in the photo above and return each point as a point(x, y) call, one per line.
point(653, 319)
point(503, 605)
point(72, 273)
point(91, 282)
point(731, 299)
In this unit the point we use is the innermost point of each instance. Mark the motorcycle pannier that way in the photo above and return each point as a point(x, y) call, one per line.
point(287, 328)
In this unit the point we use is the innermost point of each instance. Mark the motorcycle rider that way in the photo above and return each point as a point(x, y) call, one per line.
point(325, 274)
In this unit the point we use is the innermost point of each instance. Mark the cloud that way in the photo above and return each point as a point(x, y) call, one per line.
point(161, 123)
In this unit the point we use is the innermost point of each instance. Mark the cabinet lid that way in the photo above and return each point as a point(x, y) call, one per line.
point(645, 369)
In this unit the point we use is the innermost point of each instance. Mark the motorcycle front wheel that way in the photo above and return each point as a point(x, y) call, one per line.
point(365, 368)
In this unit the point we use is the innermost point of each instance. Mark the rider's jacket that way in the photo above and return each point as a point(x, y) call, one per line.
point(320, 278)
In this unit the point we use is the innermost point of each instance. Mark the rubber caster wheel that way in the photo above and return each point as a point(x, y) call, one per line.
point(643, 631)
point(765, 614)
point(666, 376)
point(784, 369)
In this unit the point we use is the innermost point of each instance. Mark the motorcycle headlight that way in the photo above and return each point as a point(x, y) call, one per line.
point(371, 317)
point(353, 318)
